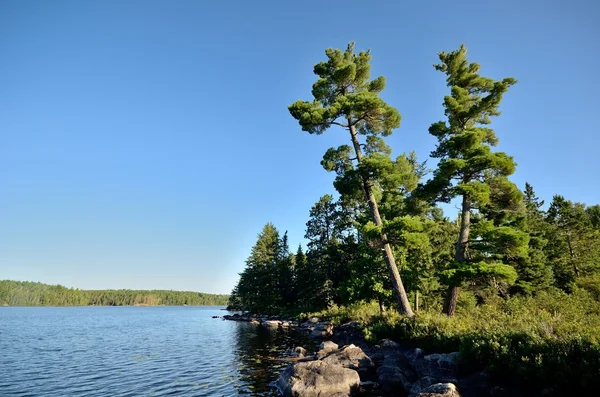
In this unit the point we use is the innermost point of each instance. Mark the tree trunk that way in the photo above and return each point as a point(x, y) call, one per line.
point(416, 301)
point(572, 254)
point(398, 287)
point(461, 248)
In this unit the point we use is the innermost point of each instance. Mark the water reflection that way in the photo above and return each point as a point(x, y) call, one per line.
point(257, 349)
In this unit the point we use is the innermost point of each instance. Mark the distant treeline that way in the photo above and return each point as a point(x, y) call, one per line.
point(24, 293)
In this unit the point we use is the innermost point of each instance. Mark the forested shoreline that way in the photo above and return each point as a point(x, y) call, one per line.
point(25, 293)
point(512, 283)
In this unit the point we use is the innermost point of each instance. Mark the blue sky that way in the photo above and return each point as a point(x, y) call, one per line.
point(144, 144)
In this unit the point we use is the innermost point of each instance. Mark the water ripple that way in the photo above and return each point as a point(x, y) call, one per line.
point(125, 351)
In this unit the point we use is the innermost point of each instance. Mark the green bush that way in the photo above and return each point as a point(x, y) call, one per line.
point(548, 343)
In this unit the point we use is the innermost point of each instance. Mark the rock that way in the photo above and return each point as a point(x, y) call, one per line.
point(326, 348)
point(322, 330)
point(388, 344)
point(317, 379)
point(285, 324)
point(391, 379)
point(368, 385)
point(271, 323)
point(421, 385)
point(352, 357)
point(254, 322)
point(442, 367)
point(215, 316)
point(314, 320)
point(350, 334)
point(299, 351)
point(328, 345)
point(439, 390)
point(413, 355)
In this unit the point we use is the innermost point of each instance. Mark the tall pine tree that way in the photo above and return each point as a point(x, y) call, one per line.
point(466, 158)
point(344, 95)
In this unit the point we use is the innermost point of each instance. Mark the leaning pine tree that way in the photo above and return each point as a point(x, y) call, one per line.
point(345, 96)
point(467, 164)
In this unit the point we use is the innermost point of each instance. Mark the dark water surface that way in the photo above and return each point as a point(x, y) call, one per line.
point(135, 351)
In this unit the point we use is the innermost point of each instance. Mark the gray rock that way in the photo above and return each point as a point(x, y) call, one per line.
point(413, 355)
point(325, 349)
point(328, 345)
point(272, 323)
point(299, 351)
point(322, 331)
point(442, 367)
point(388, 344)
point(439, 390)
point(421, 385)
point(392, 380)
point(351, 357)
point(317, 379)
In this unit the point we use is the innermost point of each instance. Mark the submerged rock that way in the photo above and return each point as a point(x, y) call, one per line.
point(317, 379)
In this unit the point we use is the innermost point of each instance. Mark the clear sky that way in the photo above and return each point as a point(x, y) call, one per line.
point(144, 144)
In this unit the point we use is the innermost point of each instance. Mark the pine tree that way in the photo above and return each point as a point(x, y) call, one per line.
point(534, 274)
point(257, 289)
point(345, 96)
point(466, 159)
point(574, 247)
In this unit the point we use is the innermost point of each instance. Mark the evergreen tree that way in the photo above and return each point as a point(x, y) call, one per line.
point(574, 247)
point(345, 96)
point(534, 274)
point(466, 159)
point(257, 289)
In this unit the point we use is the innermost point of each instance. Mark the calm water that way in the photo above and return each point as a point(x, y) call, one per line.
point(135, 351)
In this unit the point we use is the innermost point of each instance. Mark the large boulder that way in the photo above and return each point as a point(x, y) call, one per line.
point(439, 390)
point(318, 379)
point(442, 367)
point(352, 357)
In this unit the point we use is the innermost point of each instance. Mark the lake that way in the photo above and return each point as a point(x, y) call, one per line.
point(136, 351)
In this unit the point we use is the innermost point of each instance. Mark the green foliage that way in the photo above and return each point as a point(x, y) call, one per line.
point(470, 169)
point(344, 91)
point(267, 283)
point(548, 342)
point(574, 244)
point(24, 293)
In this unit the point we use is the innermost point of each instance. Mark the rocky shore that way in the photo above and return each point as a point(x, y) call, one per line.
point(346, 365)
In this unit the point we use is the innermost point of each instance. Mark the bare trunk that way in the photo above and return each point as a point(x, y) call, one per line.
point(461, 249)
point(381, 305)
point(572, 253)
point(398, 287)
point(416, 301)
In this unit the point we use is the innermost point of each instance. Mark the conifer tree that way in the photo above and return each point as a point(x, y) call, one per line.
point(574, 247)
point(345, 96)
point(534, 274)
point(466, 158)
